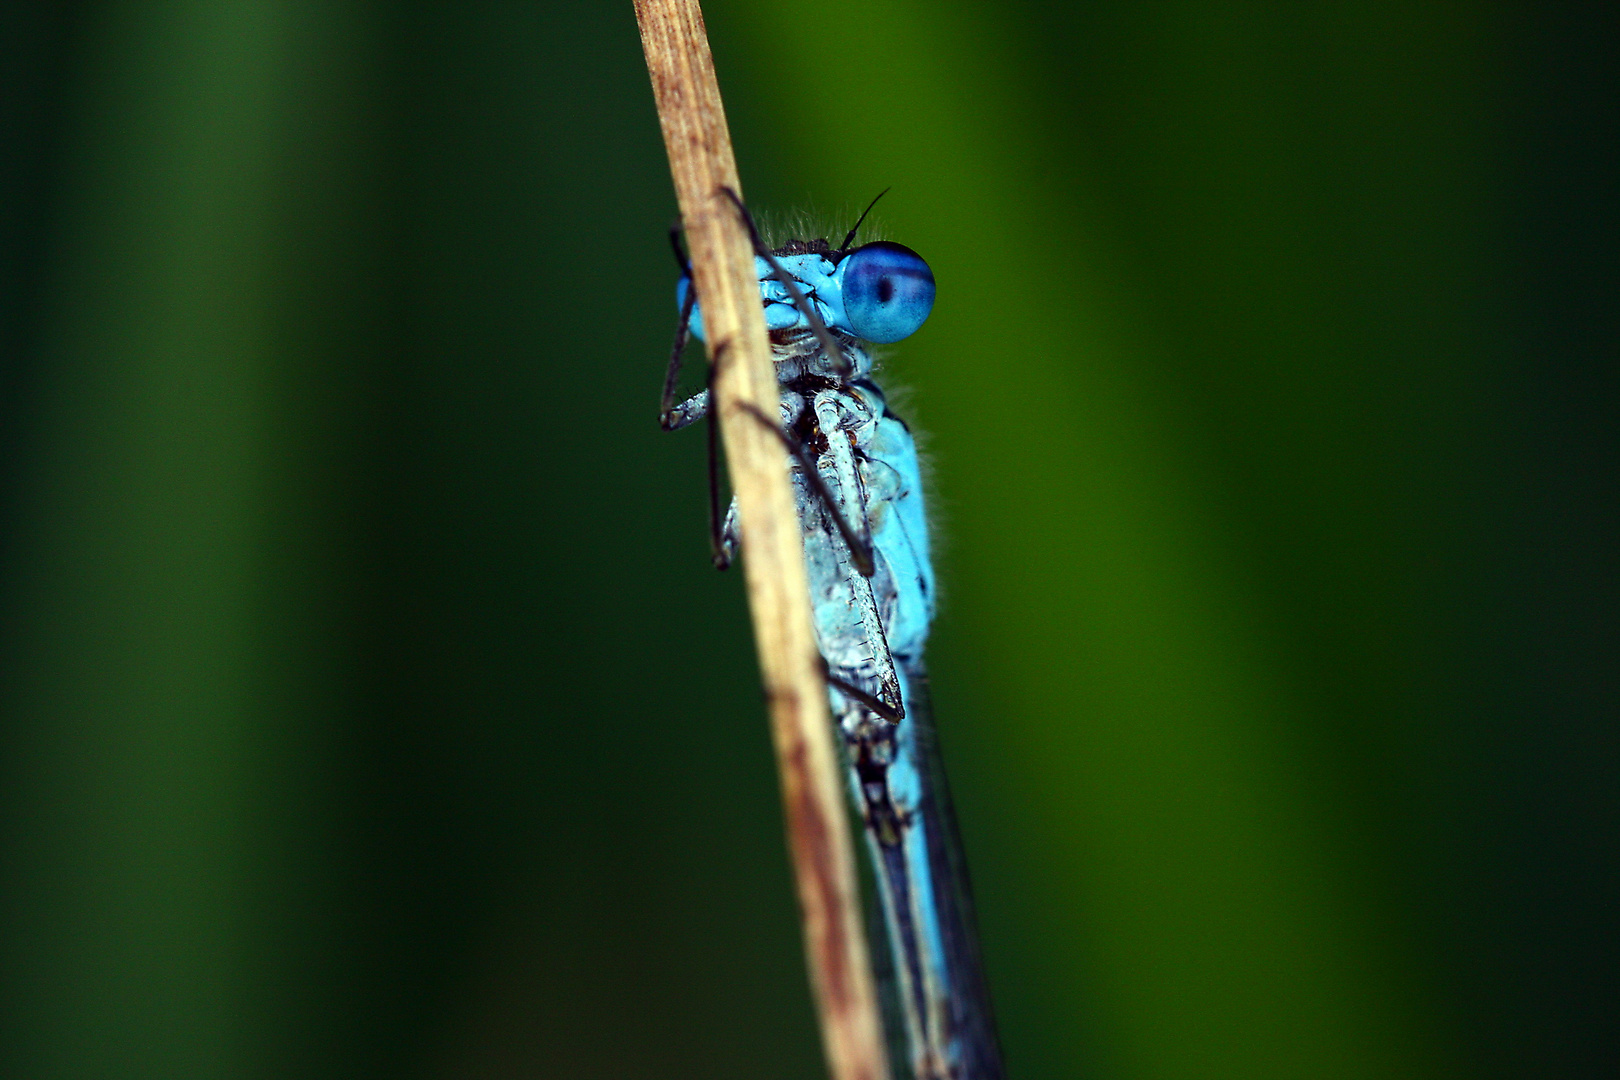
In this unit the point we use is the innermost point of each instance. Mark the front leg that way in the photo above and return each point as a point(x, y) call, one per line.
point(860, 549)
point(667, 415)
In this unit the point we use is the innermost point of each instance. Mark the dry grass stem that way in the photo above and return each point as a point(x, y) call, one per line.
point(694, 125)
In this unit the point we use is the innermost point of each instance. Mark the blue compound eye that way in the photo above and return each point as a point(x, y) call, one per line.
point(888, 291)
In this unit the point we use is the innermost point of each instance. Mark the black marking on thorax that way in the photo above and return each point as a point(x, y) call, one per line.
point(810, 434)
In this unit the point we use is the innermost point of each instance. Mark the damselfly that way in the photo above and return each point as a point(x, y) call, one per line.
point(859, 492)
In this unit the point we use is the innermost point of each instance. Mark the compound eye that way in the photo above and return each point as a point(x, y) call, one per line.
point(888, 291)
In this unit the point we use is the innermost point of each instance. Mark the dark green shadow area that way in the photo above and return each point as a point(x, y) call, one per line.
point(368, 706)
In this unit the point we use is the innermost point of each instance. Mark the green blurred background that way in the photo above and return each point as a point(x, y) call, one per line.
point(370, 708)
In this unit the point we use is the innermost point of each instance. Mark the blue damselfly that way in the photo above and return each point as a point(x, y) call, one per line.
point(858, 487)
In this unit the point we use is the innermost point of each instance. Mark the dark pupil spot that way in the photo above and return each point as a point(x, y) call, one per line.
point(885, 290)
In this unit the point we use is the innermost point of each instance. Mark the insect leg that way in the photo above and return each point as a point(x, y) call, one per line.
point(860, 549)
point(876, 704)
point(671, 416)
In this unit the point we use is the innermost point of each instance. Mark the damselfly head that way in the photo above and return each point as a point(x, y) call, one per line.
point(881, 292)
